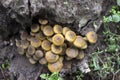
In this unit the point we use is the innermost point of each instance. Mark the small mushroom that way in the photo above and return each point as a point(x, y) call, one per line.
point(46, 45)
point(21, 50)
point(39, 54)
point(35, 42)
point(91, 37)
point(27, 55)
point(42, 61)
point(56, 49)
point(35, 28)
point(29, 37)
point(70, 36)
point(24, 44)
point(51, 57)
point(57, 28)
point(18, 43)
point(72, 52)
point(58, 39)
point(49, 38)
point(31, 50)
point(65, 29)
point(35, 58)
point(47, 30)
point(81, 55)
point(55, 67)
point(40, 35)
point(32, 61)
point(43, 21)
point(64, 46)
point(23, 35)
point(80, 42)
point(32, 34)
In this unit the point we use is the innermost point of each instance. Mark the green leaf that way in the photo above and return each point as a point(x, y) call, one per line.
point(116, 18)
point(118, 2)
point(43, 76)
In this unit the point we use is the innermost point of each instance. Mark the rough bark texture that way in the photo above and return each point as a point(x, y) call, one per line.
point(18, 14)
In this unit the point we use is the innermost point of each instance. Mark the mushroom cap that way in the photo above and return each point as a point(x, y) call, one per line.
point(21, 50)
point(68, 58)
point(32, 61)
point(46, 45)
point(56, 49)
point(40, 35)
point(35, 42)
point(29, 37)
point(81, 55)
point(31, 50)
point(43, 21)
point(65, 29)
point(24, 44)
point(49, 38)
point(47, 30)
point(23, 35)
point(18, 43)
point(35, 58)
point(80, 42)
point(57, 28)
point(35, 28)
point(55, 67)
point(58, 39)
point(72, 52)
point(27, 55)
point(51, 57)
point(32, 33)
point(70, 36)
point(64, 46)
point(91, 37)
point(39, 54)
point(42, 61)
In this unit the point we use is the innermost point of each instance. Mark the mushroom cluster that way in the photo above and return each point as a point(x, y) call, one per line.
point(52, 45)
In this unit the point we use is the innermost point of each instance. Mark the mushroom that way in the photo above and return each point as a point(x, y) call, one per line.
point(21, 50)
point(91, 36)
point(43, 21)
point(39, 54)
point(68, 58)
point(65, 29)
point(40, 35)
point(80, 42)
point(23, 35)
point(72, 52)
point(56, 49)
point(42, 61)
point(47, 30)
point(35, 58)
point(35, 28)
point(49, 38)
point(55, 67)
point(64, 46)
point(18, 43)
point(32, 61)
point(27, 55)
point(58, 39)
point(46, 45)
point(57, 28)
point(24, 44)
point(70, 36)
point(32, 33)
point(81, 55)
point(31, 50)
point(29, 37)
point(51, 57)
point(35, 42)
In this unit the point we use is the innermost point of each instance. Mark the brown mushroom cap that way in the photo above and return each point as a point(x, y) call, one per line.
point(81, 55)
point(72, 52)
point(65, 29)
point(24, 44)
point(51, 57)
point(32, 61)
point(56, 49)
point(21, 50)
point(47, 30)
point(43, 21)
point(46, 45)
point(35, 42)
point(55, 67)
point(35, 28)
point(70, 36)
point(18, 43)
point(23, 35)
point(39, 54)
point(64, 46)
point(40, 35)
point(58, 39)
point(42, 61)
point(80, 42)
point(91, 37)
point(57, 28)
point(31, 50)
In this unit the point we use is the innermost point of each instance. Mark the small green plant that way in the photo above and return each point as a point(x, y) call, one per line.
point(53, 76)
point(5, 65)
point(78, 75)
